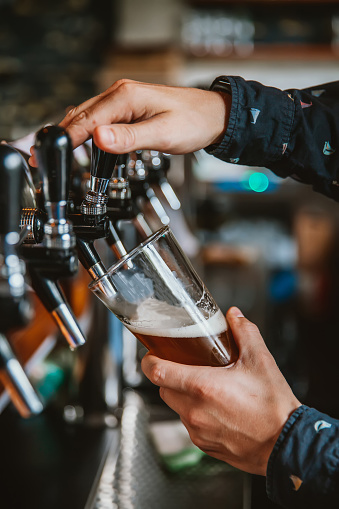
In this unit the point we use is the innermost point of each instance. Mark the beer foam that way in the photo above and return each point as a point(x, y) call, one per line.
point(163, 320)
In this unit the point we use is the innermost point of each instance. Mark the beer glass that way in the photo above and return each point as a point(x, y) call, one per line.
point(156, 293)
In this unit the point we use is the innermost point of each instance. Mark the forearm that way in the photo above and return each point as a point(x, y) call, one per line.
point(293, 133)
point(303, 469)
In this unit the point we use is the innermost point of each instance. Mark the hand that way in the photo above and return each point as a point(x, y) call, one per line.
point(233, 413)
point(131, 115)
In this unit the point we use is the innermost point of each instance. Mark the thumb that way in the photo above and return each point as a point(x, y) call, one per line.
point(246, 334)
point(123, 138)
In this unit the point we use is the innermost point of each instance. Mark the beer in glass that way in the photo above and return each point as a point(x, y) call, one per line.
point(157, 294)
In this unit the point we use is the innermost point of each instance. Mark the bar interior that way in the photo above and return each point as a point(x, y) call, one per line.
point(81, 427)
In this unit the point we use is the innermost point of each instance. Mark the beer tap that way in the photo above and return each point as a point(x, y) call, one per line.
point(56, 258)
point(122, 207)
point(159, 164)
point(14, 305)
point(16, 382)
point(91, 225)
point(93, 222)
point(141, 189)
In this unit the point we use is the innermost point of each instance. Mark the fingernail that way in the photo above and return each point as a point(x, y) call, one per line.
point(236, 312)
point(106, 136)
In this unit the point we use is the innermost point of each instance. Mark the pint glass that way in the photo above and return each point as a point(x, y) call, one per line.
point(156, 293)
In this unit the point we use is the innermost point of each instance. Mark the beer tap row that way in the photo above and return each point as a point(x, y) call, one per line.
point(43, 243)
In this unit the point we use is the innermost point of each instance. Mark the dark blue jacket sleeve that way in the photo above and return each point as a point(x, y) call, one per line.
point(293, 132)
point(303, 469)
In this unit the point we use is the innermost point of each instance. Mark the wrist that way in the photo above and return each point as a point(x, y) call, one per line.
point(224, 113)
point(271, 443)
point(222, 87)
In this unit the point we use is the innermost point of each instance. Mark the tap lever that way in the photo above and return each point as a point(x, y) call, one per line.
point(102, 163)
point(12, 269)
point(102, 167)
point(11, 180)
point(54, 153)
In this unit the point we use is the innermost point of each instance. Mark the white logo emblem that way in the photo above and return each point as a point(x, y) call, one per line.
point(319, 425)
point(255, 114)
point(328, 150)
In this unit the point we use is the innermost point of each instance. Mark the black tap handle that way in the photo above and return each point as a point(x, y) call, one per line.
point(103, 163)
point(12, 166)
point(54, 154)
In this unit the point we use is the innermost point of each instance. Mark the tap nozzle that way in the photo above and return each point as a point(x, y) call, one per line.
point(16, 382)
point(102, 166)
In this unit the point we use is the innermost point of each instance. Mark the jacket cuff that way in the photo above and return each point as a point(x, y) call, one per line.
point(303, 468)
point(260, 124)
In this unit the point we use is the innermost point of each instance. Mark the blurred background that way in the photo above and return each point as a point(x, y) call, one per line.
point(267, 245)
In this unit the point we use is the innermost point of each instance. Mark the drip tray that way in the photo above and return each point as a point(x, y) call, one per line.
point(135, 477)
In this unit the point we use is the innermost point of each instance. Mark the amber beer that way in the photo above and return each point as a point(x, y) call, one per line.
point(156, 293)
point(186, 345)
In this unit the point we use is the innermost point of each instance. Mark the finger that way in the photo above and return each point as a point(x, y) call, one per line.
point(123, 138)
point(75, 111)
point(124, 104)
point(177, 401)
point(172, 375)
point(246, 334)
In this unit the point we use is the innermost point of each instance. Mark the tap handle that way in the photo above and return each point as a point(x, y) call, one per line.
point(54, 154)
point(11, 180)
point(16, 382)
point(103, 163)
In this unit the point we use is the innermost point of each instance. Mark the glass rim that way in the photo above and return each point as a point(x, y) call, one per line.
point(128, 256)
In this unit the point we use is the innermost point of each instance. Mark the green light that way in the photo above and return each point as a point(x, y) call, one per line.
point(258, 182)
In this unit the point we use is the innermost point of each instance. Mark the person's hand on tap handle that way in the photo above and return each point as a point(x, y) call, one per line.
point(131, 116)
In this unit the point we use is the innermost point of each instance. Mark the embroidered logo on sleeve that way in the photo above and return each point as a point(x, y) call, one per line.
point(317, 93)
point(297, 482)
point(255, 114)
point(328, 150)
point(319, 425)
point(306, 105)
point(284, 147)
point(233, 160)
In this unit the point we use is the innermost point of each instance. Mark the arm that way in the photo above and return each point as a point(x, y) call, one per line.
point(247, 415)
point(142, 115)
point(294, 133)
